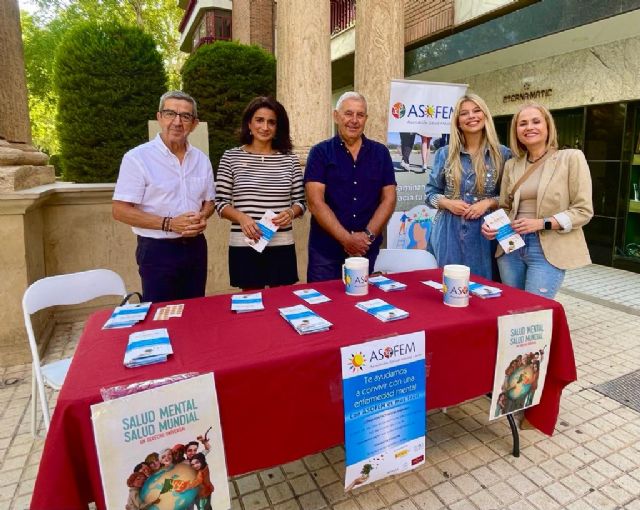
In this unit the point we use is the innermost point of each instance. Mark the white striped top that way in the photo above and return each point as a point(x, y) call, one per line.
point(253, 183)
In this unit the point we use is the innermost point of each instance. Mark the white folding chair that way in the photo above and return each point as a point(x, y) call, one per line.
point(65, 289)
point(397, 261)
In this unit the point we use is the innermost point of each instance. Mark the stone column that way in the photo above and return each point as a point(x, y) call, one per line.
point(304, 70)
point(379, 58)
point(241, 21)
point(14, 110)
point(21, 166)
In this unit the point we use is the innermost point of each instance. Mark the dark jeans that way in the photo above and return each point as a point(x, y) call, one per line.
point(322, 268)
point(172, 269)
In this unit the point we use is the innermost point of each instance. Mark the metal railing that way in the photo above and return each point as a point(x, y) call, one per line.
point(343, 15)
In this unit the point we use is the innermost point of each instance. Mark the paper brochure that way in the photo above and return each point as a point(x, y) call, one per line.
point(384, 407)
point(162, 448)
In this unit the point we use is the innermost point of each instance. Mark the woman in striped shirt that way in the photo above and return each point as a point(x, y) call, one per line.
point(262, 174)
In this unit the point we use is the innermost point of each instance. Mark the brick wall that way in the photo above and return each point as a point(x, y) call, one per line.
point(423, 18)
point(262, 14)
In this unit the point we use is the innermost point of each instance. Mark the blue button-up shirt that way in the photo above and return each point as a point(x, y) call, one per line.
point(352, 188)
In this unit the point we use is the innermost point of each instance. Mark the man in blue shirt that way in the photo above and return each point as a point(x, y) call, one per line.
point(351, 193)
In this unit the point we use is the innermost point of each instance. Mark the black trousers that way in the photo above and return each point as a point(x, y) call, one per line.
point(172, 269)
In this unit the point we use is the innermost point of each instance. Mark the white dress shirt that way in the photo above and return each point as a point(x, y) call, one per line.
point(152, 177)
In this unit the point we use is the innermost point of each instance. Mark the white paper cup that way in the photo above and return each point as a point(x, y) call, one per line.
point(455, 281)
point(355, 275)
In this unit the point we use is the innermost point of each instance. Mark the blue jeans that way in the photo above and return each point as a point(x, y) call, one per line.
point(528, 269)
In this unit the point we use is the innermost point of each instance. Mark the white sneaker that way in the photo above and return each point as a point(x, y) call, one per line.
point(404, 165)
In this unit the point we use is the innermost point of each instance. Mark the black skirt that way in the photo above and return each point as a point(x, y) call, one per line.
point(249, 269)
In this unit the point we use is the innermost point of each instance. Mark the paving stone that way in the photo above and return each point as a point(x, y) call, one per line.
point(312, 501)
point(279, 492)
point(467, 484)
point(325, 476)
point(292, 504)
point(371, 500)
point(255, 501)
point(485, 500)
point(407, 504)
point(427, 500)
point(448, 493)
point(347, 505)
point(272, 476)
point(412, 484)
point(302, 484)
point(247, 484)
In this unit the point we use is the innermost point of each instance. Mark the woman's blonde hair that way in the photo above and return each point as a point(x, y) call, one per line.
point(457, 143)
point(518, 149)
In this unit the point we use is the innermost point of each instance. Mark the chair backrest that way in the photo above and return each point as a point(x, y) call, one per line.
point(396, 261)
point(71, 289)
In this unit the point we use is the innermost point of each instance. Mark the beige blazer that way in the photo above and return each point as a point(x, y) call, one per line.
point(565, 187)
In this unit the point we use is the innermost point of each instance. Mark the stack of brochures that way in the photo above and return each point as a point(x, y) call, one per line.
point(382, 310)
point(147, 347)
point(311, 296)
point(303, 320)
point(484, 291)
point(127, 315)
point(386, 284)
point(241, 303)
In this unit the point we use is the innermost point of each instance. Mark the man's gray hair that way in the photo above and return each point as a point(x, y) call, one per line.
point(178, 94)
point(352, 94)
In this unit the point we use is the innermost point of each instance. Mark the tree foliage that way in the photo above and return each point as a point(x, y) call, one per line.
point(108, 79)
point(43, 31)
point(223, 77)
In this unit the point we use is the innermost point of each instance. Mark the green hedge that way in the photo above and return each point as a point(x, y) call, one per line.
point(223, 77)
point(109, 79)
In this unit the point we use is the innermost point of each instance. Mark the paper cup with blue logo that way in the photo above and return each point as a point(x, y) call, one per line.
point(355, 275)
point(455, 285)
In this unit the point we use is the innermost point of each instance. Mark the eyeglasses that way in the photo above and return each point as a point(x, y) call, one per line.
point(185, 117)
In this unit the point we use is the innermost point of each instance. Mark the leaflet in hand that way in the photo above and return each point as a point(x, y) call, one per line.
point(241, 303)
point(506, 236)
point(147, 347)
point(311, 296)
point(484, 291)
point(127, 315)
point(304, 320)
point(267, 228)
point(382, 310)
point(386, 284)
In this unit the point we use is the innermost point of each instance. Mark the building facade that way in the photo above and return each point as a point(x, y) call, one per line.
point(578, 57)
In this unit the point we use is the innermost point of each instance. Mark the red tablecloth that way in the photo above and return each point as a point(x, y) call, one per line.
point(280, 393)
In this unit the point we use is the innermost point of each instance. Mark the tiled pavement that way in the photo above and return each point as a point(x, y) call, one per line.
point(591, 462)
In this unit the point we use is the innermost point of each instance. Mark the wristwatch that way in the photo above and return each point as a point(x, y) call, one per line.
point(370, 235)
point(547, 224)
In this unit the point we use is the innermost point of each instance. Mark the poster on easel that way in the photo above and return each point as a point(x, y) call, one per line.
point(162, 449)
point(521, 362)
point(410, 230)
point(419, 119)
point(383, 383)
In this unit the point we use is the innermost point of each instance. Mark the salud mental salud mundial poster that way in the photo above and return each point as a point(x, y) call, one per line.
point(383, 384)
point(161, 449)
point(522, 360)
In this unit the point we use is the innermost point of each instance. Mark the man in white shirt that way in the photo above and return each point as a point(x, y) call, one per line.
point(165, 191)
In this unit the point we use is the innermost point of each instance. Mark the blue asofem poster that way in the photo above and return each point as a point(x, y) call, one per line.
point(384, 392)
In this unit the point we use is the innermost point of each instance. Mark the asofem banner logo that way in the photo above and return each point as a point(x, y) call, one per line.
point(398, 110)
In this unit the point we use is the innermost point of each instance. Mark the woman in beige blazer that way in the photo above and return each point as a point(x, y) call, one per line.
point(548, 208)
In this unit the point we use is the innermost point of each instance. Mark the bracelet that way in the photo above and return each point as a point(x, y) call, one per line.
point(292, 213)
point(166, 224)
